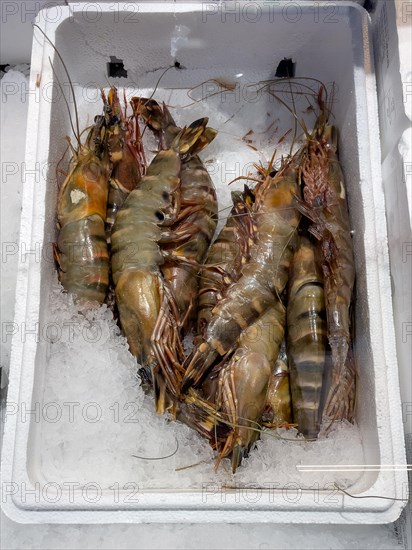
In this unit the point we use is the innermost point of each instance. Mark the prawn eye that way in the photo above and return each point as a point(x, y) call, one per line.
point(165, 195)
point(159, 215)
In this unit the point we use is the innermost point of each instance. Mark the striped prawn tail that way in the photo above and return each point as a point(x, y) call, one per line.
point(307, 337)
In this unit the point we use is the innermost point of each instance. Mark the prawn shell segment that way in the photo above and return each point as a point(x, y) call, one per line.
point(81, 253)
point(84, 259)
point(138, 300)
point(307, 337)
point(84, 193)
point(278, 406)
point(276, 221)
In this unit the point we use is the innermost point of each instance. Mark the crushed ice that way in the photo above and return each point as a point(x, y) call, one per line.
point(104, 418)
point(94, 412)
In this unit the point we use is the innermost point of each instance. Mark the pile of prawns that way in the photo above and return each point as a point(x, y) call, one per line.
point(269, 301)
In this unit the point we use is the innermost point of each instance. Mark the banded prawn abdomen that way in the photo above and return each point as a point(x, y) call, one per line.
point(275, 222)
point(81, 252)
point(306, 336)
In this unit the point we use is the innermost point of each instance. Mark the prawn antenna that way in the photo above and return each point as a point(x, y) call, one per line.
point(295, 128)
point(159, 79)
point(295, 116)
point(153, 93)
point(77, 136)
point(108, 81)
point(159, 457)
point(68, 76)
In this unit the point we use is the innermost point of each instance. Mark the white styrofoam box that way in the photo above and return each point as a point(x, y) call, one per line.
point(16, 22)
point(392, 26)
point(219, 45)
point(391, 22)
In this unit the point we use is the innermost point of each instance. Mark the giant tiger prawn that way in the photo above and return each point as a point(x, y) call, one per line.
point(282, 268)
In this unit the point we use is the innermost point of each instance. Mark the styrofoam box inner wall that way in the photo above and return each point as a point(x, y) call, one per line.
point(230, 47)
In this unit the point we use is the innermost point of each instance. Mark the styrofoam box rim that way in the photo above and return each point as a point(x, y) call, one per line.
point(185, 506)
